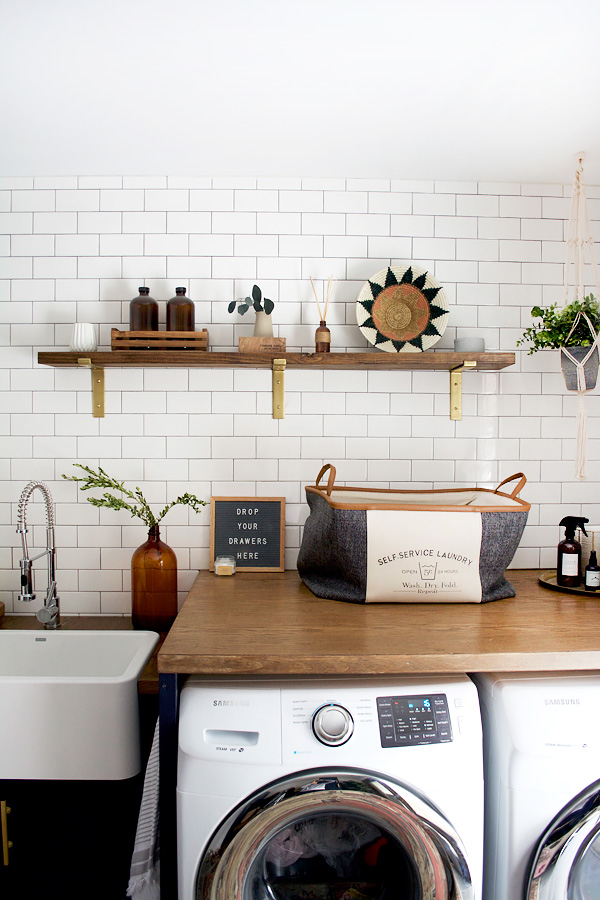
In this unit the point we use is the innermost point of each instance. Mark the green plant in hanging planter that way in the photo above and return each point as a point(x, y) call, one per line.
point(256, 301)
point(554, 325)
point(133, 501)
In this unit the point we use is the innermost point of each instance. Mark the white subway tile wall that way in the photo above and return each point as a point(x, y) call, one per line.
point(76, 249)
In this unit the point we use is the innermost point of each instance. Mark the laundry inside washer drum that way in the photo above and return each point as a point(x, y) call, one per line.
point(333, 856)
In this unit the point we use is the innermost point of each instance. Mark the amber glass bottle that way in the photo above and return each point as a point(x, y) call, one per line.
point(154, 584)
point(180, 312)
point(143, 312)
point(322, 338)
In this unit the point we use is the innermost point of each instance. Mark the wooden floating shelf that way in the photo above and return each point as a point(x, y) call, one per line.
point(446, 361)
point(430, 360)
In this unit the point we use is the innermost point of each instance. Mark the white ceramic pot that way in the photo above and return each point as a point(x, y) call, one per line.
point(469, 345)
point(84, 338)
point(263, 325)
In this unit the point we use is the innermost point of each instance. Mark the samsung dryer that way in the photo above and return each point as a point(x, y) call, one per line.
point(542, 785)
point(367, 789)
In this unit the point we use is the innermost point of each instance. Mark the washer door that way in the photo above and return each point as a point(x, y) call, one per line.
point(343, 835)
point(566, 863)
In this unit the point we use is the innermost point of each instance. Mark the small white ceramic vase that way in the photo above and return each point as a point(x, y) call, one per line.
point(84, 338)
point(263, 325)
point(469, 345)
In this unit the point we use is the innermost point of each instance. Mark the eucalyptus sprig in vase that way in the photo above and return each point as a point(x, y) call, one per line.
point(154, 564)
point(263, 307)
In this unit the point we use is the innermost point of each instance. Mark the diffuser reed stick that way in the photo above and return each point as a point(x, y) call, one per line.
point(328, 295)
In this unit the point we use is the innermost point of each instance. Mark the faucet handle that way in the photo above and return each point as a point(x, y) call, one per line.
point(47, 614)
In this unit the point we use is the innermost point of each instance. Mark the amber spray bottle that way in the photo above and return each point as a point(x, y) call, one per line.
point(568, 560)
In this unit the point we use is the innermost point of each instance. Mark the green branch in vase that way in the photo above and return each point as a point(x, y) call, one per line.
point(139, 507)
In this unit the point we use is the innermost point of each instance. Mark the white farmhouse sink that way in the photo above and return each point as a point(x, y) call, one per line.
point(69, 704)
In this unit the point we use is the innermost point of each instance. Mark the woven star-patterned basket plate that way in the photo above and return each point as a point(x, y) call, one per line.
point(402, 309)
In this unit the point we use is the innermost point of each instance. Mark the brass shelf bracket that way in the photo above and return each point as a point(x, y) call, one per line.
point(278, 388)
point(97, 386)
point(456, 388)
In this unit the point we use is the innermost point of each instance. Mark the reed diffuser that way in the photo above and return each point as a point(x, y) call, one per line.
point(322, 334)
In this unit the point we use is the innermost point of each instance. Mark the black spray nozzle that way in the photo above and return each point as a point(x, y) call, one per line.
point(571, 523)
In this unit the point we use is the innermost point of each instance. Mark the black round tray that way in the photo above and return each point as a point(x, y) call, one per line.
point(548, 580)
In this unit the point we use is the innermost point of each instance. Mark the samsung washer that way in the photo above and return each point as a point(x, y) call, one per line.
point(542, 785)
point(342, 789)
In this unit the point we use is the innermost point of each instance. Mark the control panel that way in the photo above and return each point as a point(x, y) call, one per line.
point(409, 720)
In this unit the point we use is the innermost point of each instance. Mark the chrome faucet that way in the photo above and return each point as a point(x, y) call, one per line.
point(49, 614)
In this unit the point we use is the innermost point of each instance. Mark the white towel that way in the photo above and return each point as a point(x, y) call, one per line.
point(144, 880)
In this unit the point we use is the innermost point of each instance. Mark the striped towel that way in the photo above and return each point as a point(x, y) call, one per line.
point(144, 880)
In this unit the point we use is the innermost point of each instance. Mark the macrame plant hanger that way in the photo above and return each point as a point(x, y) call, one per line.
point(579, 235)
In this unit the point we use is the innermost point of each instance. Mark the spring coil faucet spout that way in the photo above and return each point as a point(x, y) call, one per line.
point(49, 614)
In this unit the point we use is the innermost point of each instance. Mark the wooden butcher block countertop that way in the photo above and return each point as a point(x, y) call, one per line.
point(271, 624)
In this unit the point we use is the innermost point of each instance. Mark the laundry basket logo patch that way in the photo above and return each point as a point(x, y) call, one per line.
point(427, 571)
point(422, 556)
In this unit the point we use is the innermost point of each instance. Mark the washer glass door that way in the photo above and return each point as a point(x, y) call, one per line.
point(566, 864)
point(342, 836)
point(585, 880)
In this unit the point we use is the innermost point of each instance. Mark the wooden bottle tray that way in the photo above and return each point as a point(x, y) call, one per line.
point(158, 340)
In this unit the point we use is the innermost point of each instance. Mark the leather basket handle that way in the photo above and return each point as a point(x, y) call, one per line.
point(515, 492)
point(330, 480)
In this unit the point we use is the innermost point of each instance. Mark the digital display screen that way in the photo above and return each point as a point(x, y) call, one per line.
point(410, 720)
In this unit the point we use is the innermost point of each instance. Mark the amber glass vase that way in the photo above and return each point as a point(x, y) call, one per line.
point(154, 584)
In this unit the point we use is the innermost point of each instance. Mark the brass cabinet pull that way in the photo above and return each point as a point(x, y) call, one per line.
point(6, 844)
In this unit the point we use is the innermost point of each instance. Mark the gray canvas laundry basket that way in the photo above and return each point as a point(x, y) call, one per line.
point(368, 545)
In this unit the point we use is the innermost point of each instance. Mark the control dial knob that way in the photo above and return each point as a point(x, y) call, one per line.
point(332, 724)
